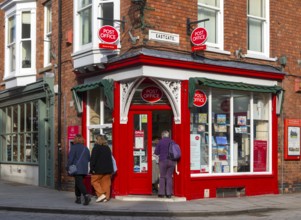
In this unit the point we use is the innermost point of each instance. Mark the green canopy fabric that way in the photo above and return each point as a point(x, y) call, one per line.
point(193, 82)
point(106, 84)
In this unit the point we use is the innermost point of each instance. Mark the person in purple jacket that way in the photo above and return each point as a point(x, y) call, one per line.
point(166, 166)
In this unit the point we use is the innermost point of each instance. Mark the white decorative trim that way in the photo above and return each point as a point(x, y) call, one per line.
point(127, 90)
point(172, 90)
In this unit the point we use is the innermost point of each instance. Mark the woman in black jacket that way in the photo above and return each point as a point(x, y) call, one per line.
point(101, 168)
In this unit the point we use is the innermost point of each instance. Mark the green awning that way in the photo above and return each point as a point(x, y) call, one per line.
point(106, 84)
point(219, 84)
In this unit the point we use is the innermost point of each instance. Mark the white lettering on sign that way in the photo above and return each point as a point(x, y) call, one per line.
point(151, 94)
point(199, 98)
point(108, 34)
point(163, 36)
point(199, 35)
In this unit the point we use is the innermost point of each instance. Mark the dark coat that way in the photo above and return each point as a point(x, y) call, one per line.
point(74, 155)
point(101, 160)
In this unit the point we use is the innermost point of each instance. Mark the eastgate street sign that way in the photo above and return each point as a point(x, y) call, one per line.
point(163, 36)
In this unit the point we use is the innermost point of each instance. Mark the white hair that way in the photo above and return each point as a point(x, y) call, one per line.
point(165, 133)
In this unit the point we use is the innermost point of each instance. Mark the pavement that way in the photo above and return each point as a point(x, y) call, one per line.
point(28, 198)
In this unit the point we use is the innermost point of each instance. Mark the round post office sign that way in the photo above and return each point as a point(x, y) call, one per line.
point(108, 34)
point(199, 36)
point(151, 94)
point(200, 98)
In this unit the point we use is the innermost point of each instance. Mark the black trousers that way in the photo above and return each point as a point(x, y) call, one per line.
point(80, 187)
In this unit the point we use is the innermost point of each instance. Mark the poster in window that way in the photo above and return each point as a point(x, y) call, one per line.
point(293, 141)
point(221, 119)
point(139, 139)
point(241, 120)
point(260, 155)
point(195, 153)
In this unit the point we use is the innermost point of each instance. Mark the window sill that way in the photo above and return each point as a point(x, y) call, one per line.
point(260, 57)
point(217, 50)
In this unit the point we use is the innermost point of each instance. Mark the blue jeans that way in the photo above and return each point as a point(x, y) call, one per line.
point(167, 168)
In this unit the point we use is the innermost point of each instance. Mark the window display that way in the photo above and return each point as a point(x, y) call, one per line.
point(228, 131)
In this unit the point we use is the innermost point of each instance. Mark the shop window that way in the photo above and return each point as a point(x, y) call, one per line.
point(47, 33)
point(20, 19)
point(258, 27)
point(99, 116)
point(19, 133)
point(230, 133)
point(212, 9)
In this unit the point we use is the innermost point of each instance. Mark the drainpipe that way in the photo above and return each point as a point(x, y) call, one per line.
point(59, 98)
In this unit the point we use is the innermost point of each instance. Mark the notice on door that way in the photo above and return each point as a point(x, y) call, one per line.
point(139, 140)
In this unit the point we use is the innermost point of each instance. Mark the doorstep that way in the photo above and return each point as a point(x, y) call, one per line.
point(153, 198)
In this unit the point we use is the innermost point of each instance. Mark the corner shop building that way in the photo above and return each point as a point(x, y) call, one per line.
point(228, 139)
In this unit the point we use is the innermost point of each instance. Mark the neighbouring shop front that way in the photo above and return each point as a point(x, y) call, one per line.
point(26, 132)
point(226, 128)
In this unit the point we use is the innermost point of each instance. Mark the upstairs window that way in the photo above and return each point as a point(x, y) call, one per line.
point(258, 27)
point(11, 43)
point(47, 33)
point(26, 40)
point(20, 42)
point(212, 9)
point(87, 23)
point(106, 11)
point(85, 14)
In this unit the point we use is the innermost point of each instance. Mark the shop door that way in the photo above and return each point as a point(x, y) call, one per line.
point(140, 179)
point(144, 132)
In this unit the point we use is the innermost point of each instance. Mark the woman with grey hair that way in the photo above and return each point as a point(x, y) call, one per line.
point(166, 166)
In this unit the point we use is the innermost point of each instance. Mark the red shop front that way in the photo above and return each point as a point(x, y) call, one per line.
point(228, 142)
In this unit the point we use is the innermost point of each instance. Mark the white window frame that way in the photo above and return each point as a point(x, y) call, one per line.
point(20, 76)
point(47, 33)
point(102, 125)
point(269, 147)
point(265, 53)
point(96, 4)
point(219, 45)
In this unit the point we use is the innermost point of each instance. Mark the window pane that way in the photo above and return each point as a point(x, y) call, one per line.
point(256, 8)
point(108, 13)
point(140, 139)
point(12, 57)
point(84, 3)
point(241, 144)
point(86, 26)
point(48, 18)
point(199, 141)
point(220, 131)
point(210, 2)
point(26, 25)
point(255, 35)
point(211, 25)
point(94, 104)
point(11, 29)
point(261, 132)
point(26, 54)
